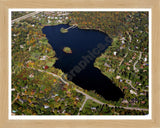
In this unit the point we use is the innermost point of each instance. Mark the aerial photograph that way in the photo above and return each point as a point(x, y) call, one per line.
point(79, 63)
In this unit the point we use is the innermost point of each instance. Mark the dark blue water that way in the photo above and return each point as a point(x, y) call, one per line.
point(86, 46)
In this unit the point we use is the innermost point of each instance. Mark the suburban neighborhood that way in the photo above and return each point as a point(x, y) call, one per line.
point(38, 88)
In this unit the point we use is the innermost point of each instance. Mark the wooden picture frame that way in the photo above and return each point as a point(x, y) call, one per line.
point(4, 63)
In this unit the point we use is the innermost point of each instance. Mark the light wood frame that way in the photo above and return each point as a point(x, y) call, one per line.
point(4, 9)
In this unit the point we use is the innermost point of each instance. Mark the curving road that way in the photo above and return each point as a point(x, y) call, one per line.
point(86, 95)
point(123, 59)
point(130, 83)
point(89, 97)
point(134, 65)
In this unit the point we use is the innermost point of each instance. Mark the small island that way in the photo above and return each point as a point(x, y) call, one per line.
point(47, 82)
point(63, 30)
point(67, 50)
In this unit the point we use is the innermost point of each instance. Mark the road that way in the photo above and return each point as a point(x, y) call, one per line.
point(123, 59)
point(86, 95)
point(99, 102)
point(130, 83)
point(65, 14)
point(80, 109)
point(25, 16)
point(133, 108)
point(134, 65)
point(89, 97)
point(15, 98)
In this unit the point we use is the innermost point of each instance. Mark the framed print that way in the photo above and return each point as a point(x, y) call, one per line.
point(90, 66)
point(77, 53)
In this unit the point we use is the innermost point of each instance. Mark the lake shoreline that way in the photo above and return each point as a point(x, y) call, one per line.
point(77, 35)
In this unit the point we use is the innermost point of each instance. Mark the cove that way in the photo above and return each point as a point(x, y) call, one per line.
point(86, 46)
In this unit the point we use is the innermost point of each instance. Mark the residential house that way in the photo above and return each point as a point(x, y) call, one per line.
point(107, 65)
point(118, 77)
point(31, 75)
point(133, 92)
point(46, 106)
point(145, 59)
point(125, 101)
point(43, 58)
point(114, 53)
point(21, 46)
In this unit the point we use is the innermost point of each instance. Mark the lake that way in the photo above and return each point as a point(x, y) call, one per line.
point(86, 46)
